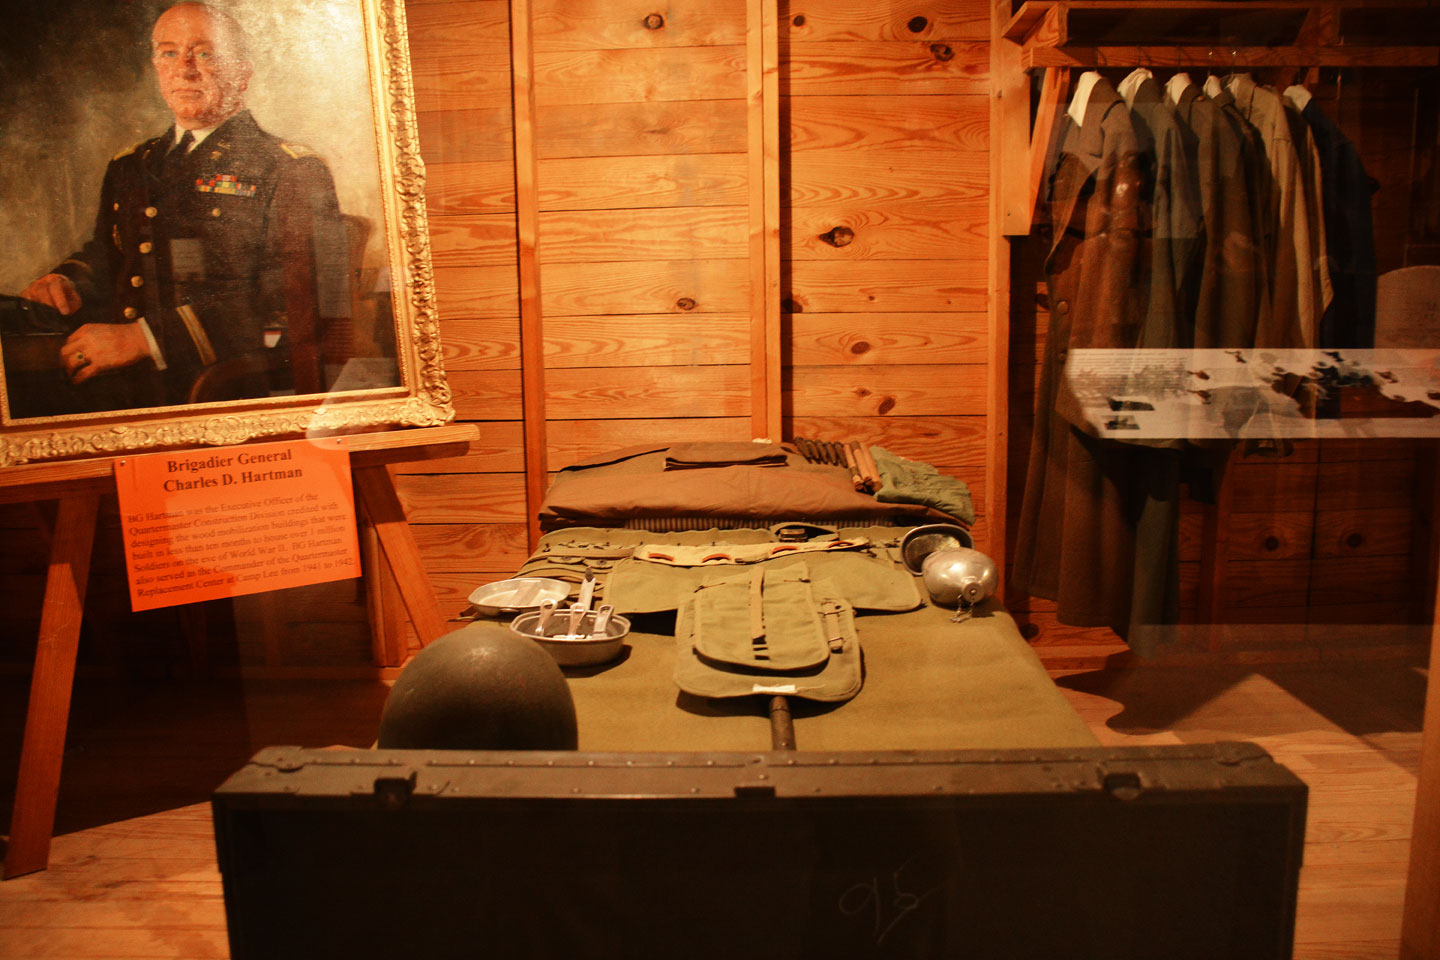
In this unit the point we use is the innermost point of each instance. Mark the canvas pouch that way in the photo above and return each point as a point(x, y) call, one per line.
point(767, 619)
point(798, 624)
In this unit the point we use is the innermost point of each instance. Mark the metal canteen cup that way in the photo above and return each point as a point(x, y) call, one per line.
point(960, 576)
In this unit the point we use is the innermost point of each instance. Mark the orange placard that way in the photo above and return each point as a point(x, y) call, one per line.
point(202, 524)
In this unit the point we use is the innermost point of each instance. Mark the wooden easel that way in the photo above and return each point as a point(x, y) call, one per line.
point(78, 487)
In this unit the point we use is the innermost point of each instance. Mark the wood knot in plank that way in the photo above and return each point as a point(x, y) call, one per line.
point(942, 52)
point(917, 24)
point(838, 236)
point(685, 303)
point(859, 347)
point(886, 405)
point(654, 22)
point(799, 20)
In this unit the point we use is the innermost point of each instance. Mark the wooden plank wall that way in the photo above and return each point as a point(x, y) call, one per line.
point(1325, 552)
point(640, 150)
point(641, 142)
point(469, 513)
point(884, 226)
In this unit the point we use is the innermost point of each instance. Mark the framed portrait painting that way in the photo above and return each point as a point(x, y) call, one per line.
point(216, 226)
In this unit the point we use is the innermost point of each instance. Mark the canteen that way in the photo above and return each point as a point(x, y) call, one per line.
point(959, 576)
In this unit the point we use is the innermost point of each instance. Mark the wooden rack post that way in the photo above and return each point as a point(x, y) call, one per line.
point(78, 486)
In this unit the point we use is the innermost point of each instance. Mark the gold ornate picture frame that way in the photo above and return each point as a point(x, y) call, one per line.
point(320, 69)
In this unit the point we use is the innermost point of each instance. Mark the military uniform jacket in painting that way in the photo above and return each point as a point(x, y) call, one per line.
point(242, 231)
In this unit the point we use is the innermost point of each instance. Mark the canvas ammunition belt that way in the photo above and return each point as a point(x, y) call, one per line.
point(685, 555)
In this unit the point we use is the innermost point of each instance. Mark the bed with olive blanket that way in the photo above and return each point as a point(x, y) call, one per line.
point(753, 571)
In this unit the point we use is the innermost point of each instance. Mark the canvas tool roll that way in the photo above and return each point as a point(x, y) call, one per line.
point(768, 631)
point(662, 576)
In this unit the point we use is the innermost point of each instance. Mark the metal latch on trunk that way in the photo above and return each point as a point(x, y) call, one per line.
point(393, 789)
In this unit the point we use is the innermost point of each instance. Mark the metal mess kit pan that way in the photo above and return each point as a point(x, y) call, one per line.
point(576, 636)
point(518, 595)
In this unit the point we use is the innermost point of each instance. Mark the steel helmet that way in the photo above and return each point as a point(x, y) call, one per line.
point(480, 688)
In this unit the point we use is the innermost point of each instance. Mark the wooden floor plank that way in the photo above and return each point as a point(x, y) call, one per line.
point(1351, 734)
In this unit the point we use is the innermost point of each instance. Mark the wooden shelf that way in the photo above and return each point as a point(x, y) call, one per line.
point(1227, 59)
point(1220, 34)
point(1028, 15)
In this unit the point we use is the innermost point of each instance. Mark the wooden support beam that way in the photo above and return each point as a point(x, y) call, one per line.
point(1053, 91)
point(38, 783)
point(1214, 554)
point(527, 230)
point(1321, 27)
point(1009, 123)
point(384, 607)
point(1010, 140)
point(377, 493)
point(1420, 927)
point(762, 90)
point(1420, 930)
point(1053, 30)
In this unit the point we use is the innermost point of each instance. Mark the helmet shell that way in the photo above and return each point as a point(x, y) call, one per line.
point(480, 688)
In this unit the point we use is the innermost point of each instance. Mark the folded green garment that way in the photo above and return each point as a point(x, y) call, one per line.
point(909, 481)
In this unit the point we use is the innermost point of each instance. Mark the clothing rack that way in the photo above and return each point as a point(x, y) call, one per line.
point(1052, 36)
point(1058, 36)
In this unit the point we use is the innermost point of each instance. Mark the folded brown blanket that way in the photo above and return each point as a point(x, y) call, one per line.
point(631, 485)
point(693, 456)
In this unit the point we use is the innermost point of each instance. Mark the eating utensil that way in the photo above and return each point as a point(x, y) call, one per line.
point(587, 593)
point(602, 620)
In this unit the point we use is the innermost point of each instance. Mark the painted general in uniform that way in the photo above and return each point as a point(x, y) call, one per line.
point(210, 239)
